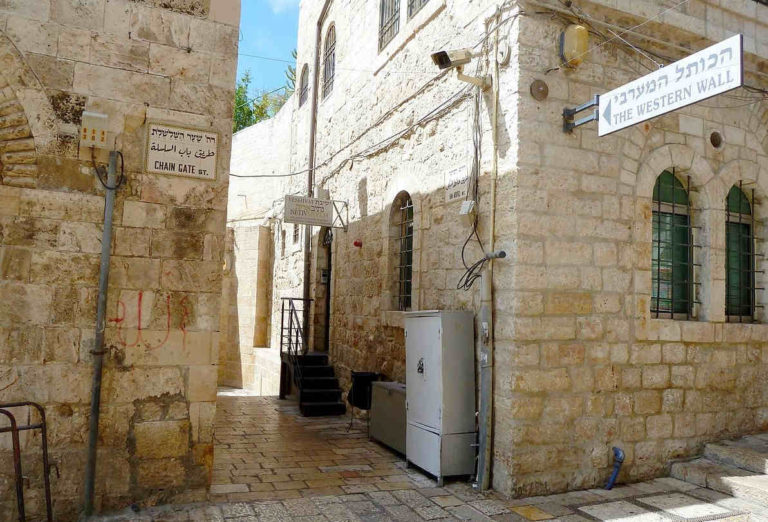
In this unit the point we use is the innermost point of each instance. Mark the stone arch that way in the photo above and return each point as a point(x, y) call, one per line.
point(27, 121)
point(704, 202)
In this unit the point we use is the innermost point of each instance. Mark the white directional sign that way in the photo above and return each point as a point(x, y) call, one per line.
point(714, 70)
point(308, 211)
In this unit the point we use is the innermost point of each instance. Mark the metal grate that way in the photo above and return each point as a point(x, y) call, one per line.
point(414, 6)
point(672, 266)
point(329, 61)
point(739, 256)
point(405, 254)
point(296, 233)
point(304, 85)
point(389, 21)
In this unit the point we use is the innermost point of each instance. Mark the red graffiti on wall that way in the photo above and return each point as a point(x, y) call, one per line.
point(120, 320)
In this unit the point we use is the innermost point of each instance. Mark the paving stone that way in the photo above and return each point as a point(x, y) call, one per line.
point(236, 509)
point(489, 507)
point(365, 507)
point(682, 505)
point(621, 511)
point(383, 498)
point(301, 507)
point(467, 513)
point(402, 513)
point(430, 512)
point(532, 512)
point(447, 501)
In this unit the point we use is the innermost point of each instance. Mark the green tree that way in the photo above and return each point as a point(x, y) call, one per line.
point(290, 74)
point(265, 104)
point(243, 115)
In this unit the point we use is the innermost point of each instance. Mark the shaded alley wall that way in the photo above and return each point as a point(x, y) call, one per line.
point(136, 62)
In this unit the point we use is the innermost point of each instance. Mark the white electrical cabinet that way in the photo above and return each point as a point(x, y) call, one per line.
point(440, 392)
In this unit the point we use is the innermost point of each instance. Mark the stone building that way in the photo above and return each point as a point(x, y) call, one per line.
point(624, 315)
point(137, 62)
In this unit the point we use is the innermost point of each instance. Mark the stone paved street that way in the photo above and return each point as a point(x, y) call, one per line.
point(273, 464)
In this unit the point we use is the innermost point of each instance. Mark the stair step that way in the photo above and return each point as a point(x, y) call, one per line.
point(319, 409)
point(321, 395)
point(317, 383)
point(317, 371)
point(313, 359)
point(750, 453)
point(726, 479)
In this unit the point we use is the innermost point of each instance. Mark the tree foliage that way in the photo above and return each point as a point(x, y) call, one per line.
point(250, 110)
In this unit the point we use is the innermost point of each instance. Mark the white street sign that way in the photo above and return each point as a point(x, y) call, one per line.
point(714, 70)
point(308, 211)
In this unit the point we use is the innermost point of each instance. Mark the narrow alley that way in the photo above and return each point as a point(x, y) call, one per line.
point(271, 463)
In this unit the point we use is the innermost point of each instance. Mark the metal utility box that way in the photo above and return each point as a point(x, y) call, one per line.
point(388, 414)
point(440, 393)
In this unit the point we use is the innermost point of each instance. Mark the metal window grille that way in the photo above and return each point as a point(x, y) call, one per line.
point(282, 243)
point(672, 266)
point(296, 233)
point(739, 256)
point(304, 86)
point(414, 6)
point(405, 253)
point(329, 61)
point(389, 21)
point(763, 2)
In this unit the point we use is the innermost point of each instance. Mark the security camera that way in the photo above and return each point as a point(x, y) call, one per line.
point(455, 58)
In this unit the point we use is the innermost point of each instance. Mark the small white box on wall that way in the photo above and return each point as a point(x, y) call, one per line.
point(93, 130)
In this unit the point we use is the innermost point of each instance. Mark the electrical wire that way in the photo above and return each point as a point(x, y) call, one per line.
point(102, 176)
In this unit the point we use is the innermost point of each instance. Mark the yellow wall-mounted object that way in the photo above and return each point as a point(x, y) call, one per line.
point(93, 130)
point(574, 42)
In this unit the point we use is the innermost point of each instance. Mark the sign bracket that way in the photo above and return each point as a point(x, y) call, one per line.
point(339, 220)
point(568, 114)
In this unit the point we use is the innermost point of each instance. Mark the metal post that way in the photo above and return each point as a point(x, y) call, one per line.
point(19, 477)
point(98, 346)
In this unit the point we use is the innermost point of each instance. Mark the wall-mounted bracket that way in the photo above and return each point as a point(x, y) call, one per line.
point(340, 214)
point(568, 114)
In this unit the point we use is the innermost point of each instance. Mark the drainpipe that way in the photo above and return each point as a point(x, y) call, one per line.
point(486, 309)
point(311, 168)
point(98, 345)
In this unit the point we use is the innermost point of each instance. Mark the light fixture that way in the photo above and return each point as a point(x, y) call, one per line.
point(574, 42)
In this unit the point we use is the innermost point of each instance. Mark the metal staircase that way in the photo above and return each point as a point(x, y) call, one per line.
point(308, 375)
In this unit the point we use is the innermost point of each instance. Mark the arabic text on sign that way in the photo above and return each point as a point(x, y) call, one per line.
point(177, 151)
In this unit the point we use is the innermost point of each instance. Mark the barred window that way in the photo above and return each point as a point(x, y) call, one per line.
point(414, 6)
point(739, 256)
point(389, 21)
point(402, 213)
point(329, 60)
point(304, 85)
point(672, 293)
point(296, 233)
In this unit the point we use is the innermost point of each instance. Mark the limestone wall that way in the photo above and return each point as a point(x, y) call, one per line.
point(135, 61)
point(582, 365)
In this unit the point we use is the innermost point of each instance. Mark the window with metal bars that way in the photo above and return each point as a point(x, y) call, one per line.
point(389, 21)
point(414, 6)
point(739, 256)
point(404, 243)
point(296, 233)
point(329, 60)
point(304, 85)
point(672, 292)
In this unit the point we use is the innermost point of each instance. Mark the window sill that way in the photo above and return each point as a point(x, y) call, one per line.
point(697, 331)
point(407, 32)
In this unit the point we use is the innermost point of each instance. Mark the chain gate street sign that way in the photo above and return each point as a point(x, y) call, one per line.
point(709, 72)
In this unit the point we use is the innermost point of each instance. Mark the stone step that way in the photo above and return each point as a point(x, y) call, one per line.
point(317, 371)
point(317, 383)
point(749, 453)
point(313, 359)
point(321, 395)
point(320, 409)
point(726, 479)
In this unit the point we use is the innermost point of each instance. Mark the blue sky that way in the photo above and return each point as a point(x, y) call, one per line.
point(267, 28)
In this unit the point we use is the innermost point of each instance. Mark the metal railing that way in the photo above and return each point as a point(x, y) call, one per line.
point(293, 334)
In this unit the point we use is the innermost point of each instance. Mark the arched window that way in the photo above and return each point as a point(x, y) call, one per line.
point(739, 257)
point(329, 60)
point(304, 85)
point(414, 6)
point(672, 249)
point(402, 237)
point(389, 21)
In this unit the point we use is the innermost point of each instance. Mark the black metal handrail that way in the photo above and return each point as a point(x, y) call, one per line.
point(293, 340)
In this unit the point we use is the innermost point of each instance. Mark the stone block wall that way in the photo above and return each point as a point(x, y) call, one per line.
point(135, 61)
point(581, 364)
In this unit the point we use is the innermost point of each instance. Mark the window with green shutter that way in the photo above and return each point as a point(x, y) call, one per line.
point(672, 293)
point(739, 257)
